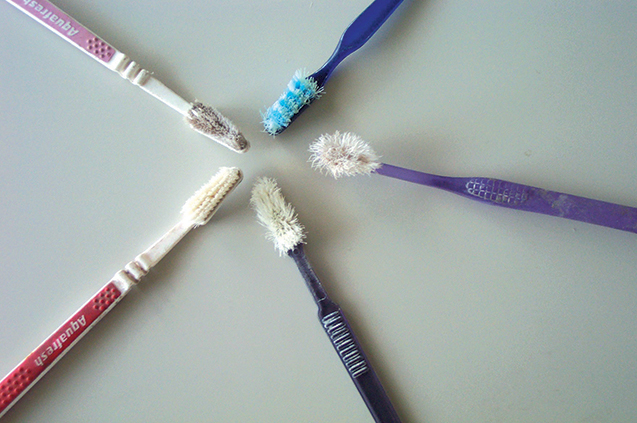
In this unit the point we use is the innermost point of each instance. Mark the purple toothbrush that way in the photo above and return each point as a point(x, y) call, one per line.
point(286, 232)
point(347, 154)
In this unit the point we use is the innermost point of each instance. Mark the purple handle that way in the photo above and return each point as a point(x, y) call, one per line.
point(524, 197)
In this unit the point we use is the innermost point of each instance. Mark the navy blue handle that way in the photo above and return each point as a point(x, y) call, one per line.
point(524, 197)
point(357, 34)
point(353, 358)
point(346, 345)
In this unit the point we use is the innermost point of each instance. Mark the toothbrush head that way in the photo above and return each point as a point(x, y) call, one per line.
point(343, 154)
point(276, 215)
point(208, 121)
point(301, 91)
point(204, 203)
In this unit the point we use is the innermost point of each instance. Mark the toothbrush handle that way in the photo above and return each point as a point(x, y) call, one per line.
point(77, 34)
point(552, 203)
point(524, 197)
point(42, 359)
point(357, 34)
point(346, 345)
point(358, 366)
point(68, 28)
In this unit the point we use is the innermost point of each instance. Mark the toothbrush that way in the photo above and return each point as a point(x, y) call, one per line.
point(303, 89)
point(288, 236)
point(202, 118)
point(347, 154)
point(196, 211)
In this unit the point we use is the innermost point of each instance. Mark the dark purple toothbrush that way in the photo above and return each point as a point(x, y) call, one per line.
point(303, 89)
point(347, 154)
point(286, 232)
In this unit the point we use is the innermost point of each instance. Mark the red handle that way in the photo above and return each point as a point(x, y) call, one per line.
point(16, 383)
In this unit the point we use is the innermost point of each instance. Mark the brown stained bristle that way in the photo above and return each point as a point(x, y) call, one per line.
point(208, 121)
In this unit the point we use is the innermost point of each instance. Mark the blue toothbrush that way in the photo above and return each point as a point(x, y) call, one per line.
point(303, 88)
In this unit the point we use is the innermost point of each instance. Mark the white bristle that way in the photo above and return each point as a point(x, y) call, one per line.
point(278, 217)
point(204, 203)
point(343, 154)
point(208, 121)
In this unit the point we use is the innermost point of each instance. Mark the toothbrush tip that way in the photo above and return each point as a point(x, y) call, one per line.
point(204, 203)
point(300, 92)
point(343, 154)
point(276, 215)
point(208, 121)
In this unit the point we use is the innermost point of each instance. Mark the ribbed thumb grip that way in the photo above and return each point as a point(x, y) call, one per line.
point(343, 340)
point(360, 370)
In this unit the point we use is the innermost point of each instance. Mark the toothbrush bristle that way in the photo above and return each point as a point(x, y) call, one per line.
point(301, 91)
point(344, 154)
point(276, 215)
point(208, 121)
point(204, 203)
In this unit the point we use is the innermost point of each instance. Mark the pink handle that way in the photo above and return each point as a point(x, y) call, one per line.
point(58, 21)
point(16, 383)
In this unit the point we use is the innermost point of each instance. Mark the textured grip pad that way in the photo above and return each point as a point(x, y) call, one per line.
point(59, 22)
point(498, 191)
point(99, 49)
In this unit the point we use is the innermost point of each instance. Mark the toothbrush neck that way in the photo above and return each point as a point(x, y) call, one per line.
point(321, 75)
point(312, 281)
point(410, 175)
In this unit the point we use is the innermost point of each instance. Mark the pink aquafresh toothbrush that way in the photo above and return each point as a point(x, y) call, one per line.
point(196, 211)
point(202, 118)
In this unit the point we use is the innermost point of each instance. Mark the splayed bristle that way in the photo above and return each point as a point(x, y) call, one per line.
point(277, 216)
point(343, 154)
point(208, 121)
point(204, 203)
point(301, 91)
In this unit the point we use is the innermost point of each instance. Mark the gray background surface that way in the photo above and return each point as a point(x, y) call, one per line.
point(470, 313)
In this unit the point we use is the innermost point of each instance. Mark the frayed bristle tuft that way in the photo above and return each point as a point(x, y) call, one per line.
point(343, 154)
point(276, 215)
point(204, 203)
point(301, 91)
point(208, 121)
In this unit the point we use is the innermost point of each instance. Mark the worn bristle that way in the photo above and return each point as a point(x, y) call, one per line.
point(204, 203)
point(343, 154)
point(301, 91)
point(208, 121)
point(276, 215)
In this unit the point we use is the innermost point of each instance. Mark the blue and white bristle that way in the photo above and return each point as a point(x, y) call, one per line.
point(301, 91)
